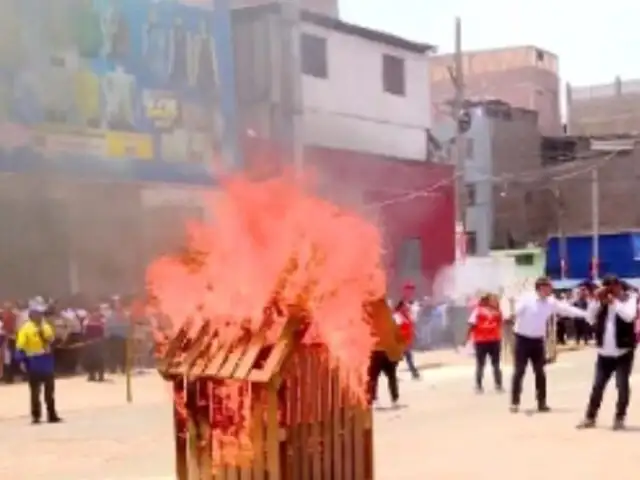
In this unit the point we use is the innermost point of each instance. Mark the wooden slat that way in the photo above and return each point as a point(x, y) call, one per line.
point(277, 356)
point(202, 363)
point(327, 421)
point(204, 424)
point(233, 359)
point(198, 346)
point(295, 399)
point(337, 427)
point(253, 350)
point(306, 405)
point(180, 431)
point(272, 435)
point(258, 432)
point(358, 443)
point(315, 379)
point(347, 438)
point(368, 446)
point(218, 360)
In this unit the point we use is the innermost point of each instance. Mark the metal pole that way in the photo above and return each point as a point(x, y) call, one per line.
point(458, 106)
point(293, 75)
point(562, 238)
point(595, 220)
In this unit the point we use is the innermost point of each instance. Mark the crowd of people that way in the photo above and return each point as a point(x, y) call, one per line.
point(89, 338)
point(605, 313)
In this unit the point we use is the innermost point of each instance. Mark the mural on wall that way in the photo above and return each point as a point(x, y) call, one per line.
point(136, 89)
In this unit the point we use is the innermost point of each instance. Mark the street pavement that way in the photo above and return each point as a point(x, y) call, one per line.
point(445, 431)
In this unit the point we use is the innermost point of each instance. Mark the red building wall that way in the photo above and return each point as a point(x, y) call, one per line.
point(413, 202)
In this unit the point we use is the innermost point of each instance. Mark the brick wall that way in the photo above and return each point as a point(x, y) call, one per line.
point(526, 87)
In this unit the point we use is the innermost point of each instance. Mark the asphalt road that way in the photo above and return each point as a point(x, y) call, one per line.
point(444, 432)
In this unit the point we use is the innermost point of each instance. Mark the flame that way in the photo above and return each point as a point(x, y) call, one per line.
point(275, 239)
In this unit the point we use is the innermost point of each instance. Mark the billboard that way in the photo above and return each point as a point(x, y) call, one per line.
point(117, 89)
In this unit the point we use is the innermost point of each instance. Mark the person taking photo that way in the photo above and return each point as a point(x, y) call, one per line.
point(614, 311)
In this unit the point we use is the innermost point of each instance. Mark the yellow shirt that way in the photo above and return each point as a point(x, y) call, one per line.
point(29, 340)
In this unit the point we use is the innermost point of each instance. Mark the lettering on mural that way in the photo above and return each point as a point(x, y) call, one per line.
point(112, 76)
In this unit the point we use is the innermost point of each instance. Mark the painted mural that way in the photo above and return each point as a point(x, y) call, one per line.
point(141, 90)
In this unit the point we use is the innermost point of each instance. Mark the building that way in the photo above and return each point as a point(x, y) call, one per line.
point(606, 109)
point(524, 76)
point(563, 197)
point(502, 143)
point(105, 138)
point(362, 90)
point(325, 7)
point(412, 202)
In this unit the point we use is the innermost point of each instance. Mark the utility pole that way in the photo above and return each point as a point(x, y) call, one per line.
point(595, 221)
point(457, 77)
point(292, 61)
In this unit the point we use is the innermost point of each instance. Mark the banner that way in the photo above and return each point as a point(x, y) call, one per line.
point(98, 81)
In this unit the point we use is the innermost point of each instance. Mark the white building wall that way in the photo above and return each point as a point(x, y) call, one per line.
point(350, 109)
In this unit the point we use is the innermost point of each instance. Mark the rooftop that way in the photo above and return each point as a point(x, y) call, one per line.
point(336, 24)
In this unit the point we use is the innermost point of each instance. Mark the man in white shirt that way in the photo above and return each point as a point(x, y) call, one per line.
point(532, 314)
point(613, 315)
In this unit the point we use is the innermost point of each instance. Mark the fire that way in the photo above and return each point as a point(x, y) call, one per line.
point(274, 242)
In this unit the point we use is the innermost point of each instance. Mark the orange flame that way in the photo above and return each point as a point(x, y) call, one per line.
point(274, 239)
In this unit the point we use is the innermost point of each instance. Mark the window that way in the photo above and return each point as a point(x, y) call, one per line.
point(393, 80)
point(525, 259)
point(314, 56)
point(471, 194)
point(472, 243)
point(409, 258)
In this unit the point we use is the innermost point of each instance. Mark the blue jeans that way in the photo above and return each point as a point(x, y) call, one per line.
point(408, 357)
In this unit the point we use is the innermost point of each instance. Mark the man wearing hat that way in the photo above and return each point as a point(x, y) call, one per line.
point(532, 314)
point(33, 350)
point(614, 312)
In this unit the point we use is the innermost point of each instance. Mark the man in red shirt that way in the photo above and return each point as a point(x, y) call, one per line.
point(485, 331)
point(404, 317)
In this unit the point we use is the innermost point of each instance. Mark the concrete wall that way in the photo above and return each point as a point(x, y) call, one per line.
point(515, 75)
point(605, 109)
point(478, 174)
point(349, 109)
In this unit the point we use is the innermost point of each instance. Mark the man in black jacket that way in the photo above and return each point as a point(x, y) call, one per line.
point(614, 312)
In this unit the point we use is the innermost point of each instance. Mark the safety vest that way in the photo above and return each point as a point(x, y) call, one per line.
point(403, 318)
point(487, 326)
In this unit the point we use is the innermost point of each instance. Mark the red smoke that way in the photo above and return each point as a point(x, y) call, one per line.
point(271, 240)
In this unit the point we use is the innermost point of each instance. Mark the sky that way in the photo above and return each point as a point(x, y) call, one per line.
point(594, 42)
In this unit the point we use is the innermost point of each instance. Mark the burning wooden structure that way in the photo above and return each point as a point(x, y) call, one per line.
point(287, 416)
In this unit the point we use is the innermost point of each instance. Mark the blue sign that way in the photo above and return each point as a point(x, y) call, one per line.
point(117, 89)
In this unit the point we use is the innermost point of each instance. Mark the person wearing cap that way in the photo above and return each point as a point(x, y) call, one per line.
point(614, 311)
point(532, 314)
point(33, 350)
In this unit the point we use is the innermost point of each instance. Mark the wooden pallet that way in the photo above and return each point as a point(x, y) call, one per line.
point(298, 420)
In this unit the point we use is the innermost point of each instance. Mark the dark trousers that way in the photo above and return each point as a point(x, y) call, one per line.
point(605, 368)
point(529, 350)
point(582, 330)
point(37, 383)
point(408, 357)
point(116, 354)
point(561, 330)
point(94, 359)
point(378, 364)
point(489, 350)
